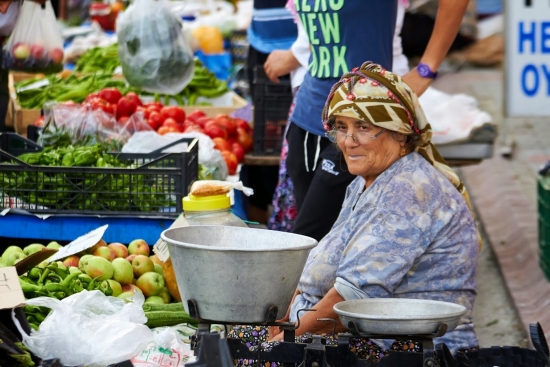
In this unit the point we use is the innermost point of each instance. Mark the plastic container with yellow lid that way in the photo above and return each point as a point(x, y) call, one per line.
point(210, 210)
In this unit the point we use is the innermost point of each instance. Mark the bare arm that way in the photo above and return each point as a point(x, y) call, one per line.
point(447, 23)
point(308, 320)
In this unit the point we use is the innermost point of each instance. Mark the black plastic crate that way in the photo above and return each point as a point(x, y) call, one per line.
point(271, 107)
point(154, 187)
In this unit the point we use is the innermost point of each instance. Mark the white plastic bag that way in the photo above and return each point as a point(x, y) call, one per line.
point(89, 328)
point(167, 350)
point(153, 51)
point(35, 45)
point(148, 141)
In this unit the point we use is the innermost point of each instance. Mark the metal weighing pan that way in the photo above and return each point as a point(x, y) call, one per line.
point(399, 316)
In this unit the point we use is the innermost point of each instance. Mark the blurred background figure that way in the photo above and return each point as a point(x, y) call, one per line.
point(272, 28)
point(419, 23)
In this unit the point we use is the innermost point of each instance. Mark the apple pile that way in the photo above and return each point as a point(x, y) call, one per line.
point(125, 270)
point(34, 58)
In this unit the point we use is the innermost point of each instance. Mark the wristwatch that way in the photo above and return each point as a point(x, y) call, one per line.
point(425, 71)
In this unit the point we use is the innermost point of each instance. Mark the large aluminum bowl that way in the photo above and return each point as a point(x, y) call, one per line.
point(399, 316)
point(235, 274)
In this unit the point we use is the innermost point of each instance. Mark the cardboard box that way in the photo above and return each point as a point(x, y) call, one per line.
point(19, 118)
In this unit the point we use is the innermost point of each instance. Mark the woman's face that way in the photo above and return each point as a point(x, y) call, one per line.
point(365, 156)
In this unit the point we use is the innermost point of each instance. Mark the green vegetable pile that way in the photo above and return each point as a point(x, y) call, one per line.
point(55, 282)
point(95, 190)
point(99, 59)
point(72, 88)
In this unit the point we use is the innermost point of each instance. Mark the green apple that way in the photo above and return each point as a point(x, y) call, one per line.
point(115, 287)
point(155, 299)
point(104, 252)
point(119, 249)
point(128, 292)
point(142, 264)
point(138, 247)
point(54, 245)
point(150, 283)
point(158, 269)
point(83, 262)
point(72, 260)
point(9, 250)
point(124, 273)
point(165, 295)
point(32, 248)
point(14, 258)
point(100, 267)
point(99, 244)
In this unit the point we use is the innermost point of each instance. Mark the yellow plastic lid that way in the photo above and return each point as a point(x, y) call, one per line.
point(193, 203)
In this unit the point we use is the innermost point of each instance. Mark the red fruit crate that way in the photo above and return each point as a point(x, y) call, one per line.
point(271, 107)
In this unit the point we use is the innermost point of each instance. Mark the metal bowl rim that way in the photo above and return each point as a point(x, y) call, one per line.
point(432, 317)
point(308, 246)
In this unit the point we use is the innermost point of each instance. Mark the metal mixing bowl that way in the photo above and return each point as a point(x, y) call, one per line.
point(235, 274)
point(399, 316)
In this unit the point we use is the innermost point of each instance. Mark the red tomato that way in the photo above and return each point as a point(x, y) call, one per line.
point(193, 128)
point(231, 161)
point(111, 95)
point(202, 121)
point(134, 97)
point(146, 112)
point(126, 107)
point(155, 105)
point(153, 108)
point(215, 132)
point(153, 124)
point(100, 104)
point(195, 115)
point(170, 122)
point(243, 124)
point(227, 123)
point(244, 140)
point(91, 97)
point(156, 119)
point(238, 150)
point(221, 144)
point(173, 112)
point(163, 130)
point(123, 120)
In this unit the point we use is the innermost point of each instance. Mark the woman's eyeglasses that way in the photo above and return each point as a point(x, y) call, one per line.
point(360, 137)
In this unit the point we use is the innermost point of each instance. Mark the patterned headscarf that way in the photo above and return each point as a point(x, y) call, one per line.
point(371, 93)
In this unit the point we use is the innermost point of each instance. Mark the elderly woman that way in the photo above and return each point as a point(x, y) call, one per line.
point(405, 229)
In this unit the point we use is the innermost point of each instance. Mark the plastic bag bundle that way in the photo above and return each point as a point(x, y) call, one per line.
point(153, 51)
point(35, 45)
point(89, 329)
point(84, 124)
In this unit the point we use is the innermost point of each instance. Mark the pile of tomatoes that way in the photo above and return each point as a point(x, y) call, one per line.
point(231, 136)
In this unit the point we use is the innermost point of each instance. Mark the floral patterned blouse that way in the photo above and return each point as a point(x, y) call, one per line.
point(409, 235)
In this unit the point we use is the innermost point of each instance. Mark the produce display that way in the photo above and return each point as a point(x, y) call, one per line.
point(63, 190)
point(115, 269)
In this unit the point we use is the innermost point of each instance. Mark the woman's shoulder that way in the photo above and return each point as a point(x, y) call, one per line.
point(415, 183)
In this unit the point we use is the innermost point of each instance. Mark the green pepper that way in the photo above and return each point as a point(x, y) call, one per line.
point(53, 288)
point(68, 160)
point(35, 273)
point(27, 287)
